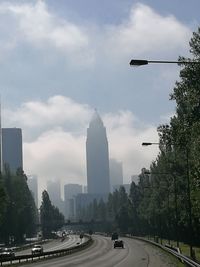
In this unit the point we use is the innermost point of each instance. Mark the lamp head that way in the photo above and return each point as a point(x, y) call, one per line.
point(146, 144)
point(138, 62)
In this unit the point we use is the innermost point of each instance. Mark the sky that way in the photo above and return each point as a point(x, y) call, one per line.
point(61, 60)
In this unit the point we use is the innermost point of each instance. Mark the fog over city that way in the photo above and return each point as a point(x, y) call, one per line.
point(58, 66)
point(55, 137)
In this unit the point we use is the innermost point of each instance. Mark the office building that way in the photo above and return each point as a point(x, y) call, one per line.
point(70, 192)
point(12, 155)
point(98, 180)
point(85, 189)
point(54, 191)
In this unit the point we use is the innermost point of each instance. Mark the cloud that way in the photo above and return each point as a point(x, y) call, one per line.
point(56, 111)
point(39, 26)
point(57, 153)
point(35, 25)
point(126, 134)
point(144, 32)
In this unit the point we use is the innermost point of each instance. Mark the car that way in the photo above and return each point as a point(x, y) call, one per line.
point(118, 244)
point(114, 236)
point(7, 253)
point(37, 249)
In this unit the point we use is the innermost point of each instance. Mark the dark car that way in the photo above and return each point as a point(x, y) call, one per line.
point(7, 253)
point(118, 244)
point(114, 236)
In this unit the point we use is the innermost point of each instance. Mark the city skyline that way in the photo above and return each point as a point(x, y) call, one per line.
point(52, 79)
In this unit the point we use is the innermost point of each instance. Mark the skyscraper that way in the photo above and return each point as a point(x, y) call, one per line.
point(70, 192)
point(98, 180)
point(12, 148)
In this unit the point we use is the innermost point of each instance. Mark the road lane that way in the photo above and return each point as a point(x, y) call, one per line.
point(70, 241)
point(102, 254)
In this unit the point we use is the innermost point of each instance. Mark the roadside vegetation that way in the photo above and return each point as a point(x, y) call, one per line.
point(165, 203)
point(19, 216)
point(18, 213)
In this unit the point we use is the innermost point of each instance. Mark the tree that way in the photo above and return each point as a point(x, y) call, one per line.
point(180, 142)
point(135, 199)
point(102, 210)
point(123, 219)
point(51, 218)
point(20, 214)
point(3, 200)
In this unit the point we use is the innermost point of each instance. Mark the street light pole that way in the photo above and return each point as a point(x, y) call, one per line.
point(141, 62)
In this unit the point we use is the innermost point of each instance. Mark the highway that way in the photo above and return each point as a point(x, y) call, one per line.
point(69, 241)
point(102, 254)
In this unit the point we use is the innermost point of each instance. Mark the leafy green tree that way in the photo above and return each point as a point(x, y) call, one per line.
point(46, 214)
point(179, 147)
point(109, 207)
point(123, 219)
point(20, 214)
point(51, 218)
point(3, 200)
point(135, 199)
point(102, 213)
point(94, 209)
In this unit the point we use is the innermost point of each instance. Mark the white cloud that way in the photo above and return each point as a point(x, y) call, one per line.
point(126, 135)
point(35, 25)
point(145, 32)
point(60, 154)
point(39, 26)
point(57, 111)
point(56, 155)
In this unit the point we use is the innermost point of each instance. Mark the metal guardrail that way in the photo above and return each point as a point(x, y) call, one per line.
point(48, 254)
point(183, 258)
point(189, 262)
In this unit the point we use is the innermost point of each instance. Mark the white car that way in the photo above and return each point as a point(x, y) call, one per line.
point(7, 253)
point(37, 249)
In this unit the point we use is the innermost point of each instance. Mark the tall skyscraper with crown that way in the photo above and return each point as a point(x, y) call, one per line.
point(98, 180)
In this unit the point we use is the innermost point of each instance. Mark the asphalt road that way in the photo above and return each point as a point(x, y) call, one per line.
point(69, 241)
point(102, 254)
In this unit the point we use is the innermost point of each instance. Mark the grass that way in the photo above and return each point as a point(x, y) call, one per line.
point(185, 248)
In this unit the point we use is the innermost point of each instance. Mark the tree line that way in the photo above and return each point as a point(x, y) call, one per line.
point(50, 217)
point(19, 216)
point(166, 200)
point(18, 213)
